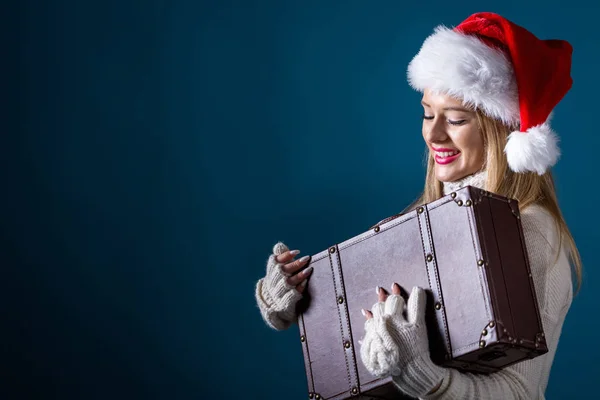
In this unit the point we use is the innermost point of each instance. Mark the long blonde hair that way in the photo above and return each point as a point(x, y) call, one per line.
point(527, 188)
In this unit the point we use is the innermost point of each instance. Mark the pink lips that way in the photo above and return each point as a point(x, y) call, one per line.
point(445, 160)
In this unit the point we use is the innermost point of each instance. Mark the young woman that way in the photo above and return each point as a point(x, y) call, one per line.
point(489, 87)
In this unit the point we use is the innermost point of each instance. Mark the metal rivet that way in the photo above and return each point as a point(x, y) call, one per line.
point(302, 338)
point(468, 203)
point(537, 345)
point(317, 396)
point(354, 390)
point(340, 299)
point(480, 263)
point(492, 324)
point(542, 334)
point(484, 332)
point(460, 203)
point(453, 195)
point(310, 395)
point(332, 250)
point(520, 341)
point(438, 305)
point(420, 210)
point(429, 257)
point(505, 330)
point(347, 345)
point(376, 229)
point(482, 343)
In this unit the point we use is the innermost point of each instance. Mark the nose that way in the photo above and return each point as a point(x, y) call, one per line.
point(435, 131)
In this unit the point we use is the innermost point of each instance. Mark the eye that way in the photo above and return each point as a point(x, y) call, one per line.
point(462, 121)
point(427, 117)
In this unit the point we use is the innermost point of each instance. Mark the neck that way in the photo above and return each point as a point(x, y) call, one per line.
point(477, 180)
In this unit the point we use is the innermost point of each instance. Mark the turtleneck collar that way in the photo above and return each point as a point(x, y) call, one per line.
point(477, 180)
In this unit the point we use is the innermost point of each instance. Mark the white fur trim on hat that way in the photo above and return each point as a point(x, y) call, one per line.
point(535, 150)
point(462, 66)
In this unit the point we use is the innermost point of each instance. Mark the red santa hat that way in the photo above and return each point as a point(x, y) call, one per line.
point(501, 68)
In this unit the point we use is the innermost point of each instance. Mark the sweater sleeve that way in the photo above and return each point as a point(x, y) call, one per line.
point(552, 279)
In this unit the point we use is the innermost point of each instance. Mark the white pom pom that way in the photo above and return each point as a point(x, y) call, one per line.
point(535, 150)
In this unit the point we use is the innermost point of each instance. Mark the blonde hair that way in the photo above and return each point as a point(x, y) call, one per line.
point(528, 188)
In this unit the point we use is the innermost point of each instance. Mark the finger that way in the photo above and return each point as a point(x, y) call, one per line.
point(381, 293)
point(396, 289)
point(416, 305)
point(302, 286)
point(286, 256)
point(279, 248)
point(368, 314)
point(394, 306)
point(295, 280)
point(378, 309)
point(295, 266)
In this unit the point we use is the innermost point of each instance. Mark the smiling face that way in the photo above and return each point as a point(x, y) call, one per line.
point(453, 137)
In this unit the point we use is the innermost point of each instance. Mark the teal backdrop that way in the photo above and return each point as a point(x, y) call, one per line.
point(154, 151)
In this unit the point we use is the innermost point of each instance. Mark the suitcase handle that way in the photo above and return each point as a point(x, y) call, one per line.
point(388, 219)
point(408, 209)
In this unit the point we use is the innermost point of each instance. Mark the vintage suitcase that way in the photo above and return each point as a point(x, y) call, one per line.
point(467, 250)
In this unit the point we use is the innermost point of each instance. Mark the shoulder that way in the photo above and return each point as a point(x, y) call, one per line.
point(540, 229)
point(547, 255)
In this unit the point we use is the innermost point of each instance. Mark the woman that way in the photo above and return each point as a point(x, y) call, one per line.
point(489, 87)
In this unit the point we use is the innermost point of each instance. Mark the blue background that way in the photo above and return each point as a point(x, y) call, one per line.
point(154, 151)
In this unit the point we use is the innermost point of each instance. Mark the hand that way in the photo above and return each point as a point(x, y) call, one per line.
point(281, 288)
point(284, 259)
point(397, 346)
point(383, 342)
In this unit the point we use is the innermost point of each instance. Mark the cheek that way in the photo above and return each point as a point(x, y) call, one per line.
point(471, 142)
point(478, 148)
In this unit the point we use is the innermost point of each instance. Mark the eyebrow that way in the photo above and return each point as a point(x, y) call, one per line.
point(449, 108)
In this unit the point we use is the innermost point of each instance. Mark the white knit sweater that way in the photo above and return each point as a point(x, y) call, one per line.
point(552, 278)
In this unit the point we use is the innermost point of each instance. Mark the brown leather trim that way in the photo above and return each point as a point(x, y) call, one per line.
point(493, 268)
point(480, 250)
point(478, 225)
point(517, 275)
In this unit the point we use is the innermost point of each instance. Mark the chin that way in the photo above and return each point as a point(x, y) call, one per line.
point(446, 175)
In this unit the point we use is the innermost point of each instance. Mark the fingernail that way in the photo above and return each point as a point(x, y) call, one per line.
point(295, 252)
point(303, 283)
point(362, 310)
point(377, 289)
point(304, 259)
point(308, 270)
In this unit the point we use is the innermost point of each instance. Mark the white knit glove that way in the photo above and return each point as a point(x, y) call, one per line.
point(277, 299)
point(398, 346)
